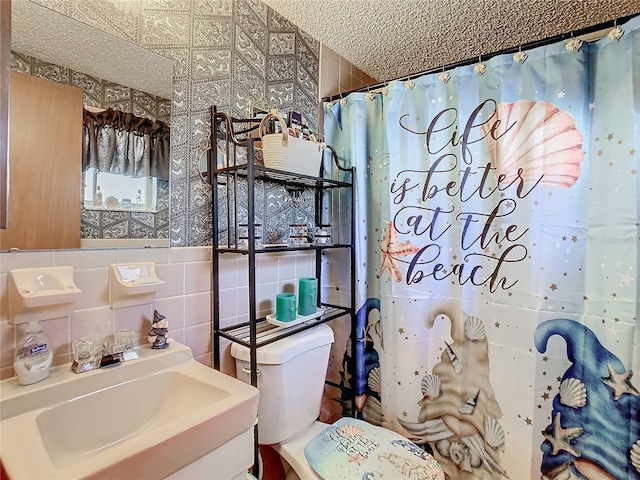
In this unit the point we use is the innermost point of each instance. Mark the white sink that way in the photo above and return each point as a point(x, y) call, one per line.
point(145, 418)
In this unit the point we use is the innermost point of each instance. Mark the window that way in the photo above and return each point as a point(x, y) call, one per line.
point(111, 191)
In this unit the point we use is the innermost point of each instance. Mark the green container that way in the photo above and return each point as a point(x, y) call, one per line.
point(307, 295)
point(285, 307)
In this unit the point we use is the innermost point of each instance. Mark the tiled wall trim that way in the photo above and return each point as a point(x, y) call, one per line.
point(185, 298)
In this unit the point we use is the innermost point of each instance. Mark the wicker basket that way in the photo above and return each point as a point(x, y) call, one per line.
point(282, 151)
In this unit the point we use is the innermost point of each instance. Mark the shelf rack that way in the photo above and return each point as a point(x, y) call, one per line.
point(236, 137)
point(267, 333)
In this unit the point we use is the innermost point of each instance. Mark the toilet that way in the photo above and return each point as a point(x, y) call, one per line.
point(291, 379)
point(291, 376)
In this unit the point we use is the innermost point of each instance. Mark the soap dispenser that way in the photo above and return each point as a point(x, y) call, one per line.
point(33, 356)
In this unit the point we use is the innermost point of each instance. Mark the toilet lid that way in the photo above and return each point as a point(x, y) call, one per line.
point(352, 448)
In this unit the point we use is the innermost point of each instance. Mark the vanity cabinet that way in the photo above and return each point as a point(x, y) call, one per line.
point(45, 165)
point(234, 140)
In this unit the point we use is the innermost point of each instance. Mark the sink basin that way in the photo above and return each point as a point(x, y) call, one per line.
point(145, 418)
point(133, 407)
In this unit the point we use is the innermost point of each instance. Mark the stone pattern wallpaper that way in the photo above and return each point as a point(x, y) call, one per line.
point(230, 53)
point(103, 94)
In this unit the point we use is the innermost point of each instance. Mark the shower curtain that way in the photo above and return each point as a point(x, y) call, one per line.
point(497, 260)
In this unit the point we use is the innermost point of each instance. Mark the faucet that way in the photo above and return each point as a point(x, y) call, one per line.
point(111, 354)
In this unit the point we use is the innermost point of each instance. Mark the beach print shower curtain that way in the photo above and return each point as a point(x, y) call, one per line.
point(497, 261)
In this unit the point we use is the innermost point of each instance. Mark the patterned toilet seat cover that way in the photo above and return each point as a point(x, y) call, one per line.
point(355, 449)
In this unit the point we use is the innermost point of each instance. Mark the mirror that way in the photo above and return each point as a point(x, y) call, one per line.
point(43, 36)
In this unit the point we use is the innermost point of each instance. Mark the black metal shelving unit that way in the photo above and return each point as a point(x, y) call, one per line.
point(236, 137)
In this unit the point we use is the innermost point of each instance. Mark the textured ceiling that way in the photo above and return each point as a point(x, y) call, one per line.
point(45, 34)
point(393, 38)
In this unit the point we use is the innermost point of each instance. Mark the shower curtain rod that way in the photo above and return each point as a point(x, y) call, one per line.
point(525, 46)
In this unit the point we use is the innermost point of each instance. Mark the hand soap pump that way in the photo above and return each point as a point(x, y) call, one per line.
point(33, 356)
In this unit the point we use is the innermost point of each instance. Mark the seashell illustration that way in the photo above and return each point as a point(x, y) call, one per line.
point(634, 454)
point(456, 453)
point(536, 141)
point(430, 386)
point(474, 329)
point(350, 431)
point(455, 361)
point(467, 407)
point(573, 393)
point(374, 380)
point(493, 433)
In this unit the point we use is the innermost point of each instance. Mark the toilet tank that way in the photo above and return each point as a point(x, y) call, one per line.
point(291, 379)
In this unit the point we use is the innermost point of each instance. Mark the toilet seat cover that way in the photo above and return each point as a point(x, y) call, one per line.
point(352, 448)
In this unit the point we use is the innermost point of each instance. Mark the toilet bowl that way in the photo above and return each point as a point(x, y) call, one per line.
point(291, 375)
point(296, 466)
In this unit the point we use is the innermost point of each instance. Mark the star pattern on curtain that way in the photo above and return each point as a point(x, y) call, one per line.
point(620, 383)
point(560, 438)
point(390, 250)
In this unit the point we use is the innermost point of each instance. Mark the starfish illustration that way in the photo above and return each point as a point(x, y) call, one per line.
point(620, 383)
point(356, 458)
point(560, 437)
point(390, 250)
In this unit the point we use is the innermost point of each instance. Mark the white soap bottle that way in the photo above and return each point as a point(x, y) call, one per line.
point(33, 356)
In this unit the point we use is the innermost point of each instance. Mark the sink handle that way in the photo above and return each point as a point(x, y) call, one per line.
point(248, 371)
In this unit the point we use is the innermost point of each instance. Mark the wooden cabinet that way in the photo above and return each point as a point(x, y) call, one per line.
point(45, 165)
point(5, 74)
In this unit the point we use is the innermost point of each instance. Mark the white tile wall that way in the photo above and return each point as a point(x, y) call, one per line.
point(286, 267)
point(267, 268)
point(242, 266)
point(185, 298)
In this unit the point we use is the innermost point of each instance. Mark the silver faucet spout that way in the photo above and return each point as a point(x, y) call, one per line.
point(111, 355)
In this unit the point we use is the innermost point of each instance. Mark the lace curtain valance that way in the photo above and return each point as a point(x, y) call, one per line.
point(120, 142)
